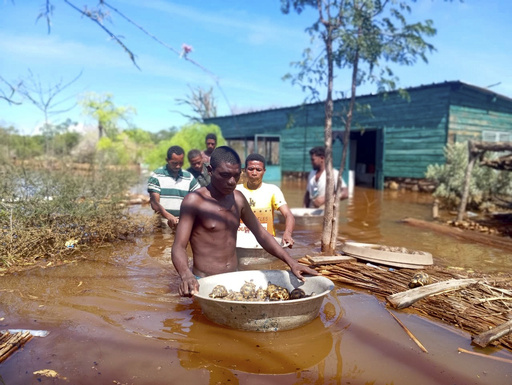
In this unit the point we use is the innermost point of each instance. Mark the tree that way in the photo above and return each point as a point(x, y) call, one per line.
point(357, 35)
point(483, 184)
point(106, 113)
point(48, 99)
point(189, 137)
point(202, 102)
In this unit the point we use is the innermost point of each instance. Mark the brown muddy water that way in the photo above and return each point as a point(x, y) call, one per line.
point(117, 318)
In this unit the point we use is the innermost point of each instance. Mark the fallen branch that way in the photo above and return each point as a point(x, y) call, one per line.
point(483, 339)
point(409, 333)
point(496, 241)
point(331, 259)
point(407, 298)
point(485, 355)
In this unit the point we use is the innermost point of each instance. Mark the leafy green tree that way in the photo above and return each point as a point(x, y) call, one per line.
point(189, 137)
point(105, 112)
point(359, 36)
point(485, 182)
point(166, 134)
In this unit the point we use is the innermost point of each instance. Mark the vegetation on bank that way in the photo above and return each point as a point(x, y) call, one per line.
point(63, 192)
point(486, 183)
point(55, 214)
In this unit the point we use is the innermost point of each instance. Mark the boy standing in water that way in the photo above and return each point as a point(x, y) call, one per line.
point(209, 220)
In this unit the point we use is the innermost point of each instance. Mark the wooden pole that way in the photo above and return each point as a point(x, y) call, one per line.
point(408, 297)
point(472, 155)
point(485, 338)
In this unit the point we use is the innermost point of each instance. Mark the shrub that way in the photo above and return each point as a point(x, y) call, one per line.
point(485, 182)
point(47, 213)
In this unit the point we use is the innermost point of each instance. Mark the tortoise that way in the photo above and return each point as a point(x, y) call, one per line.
point(261, 294)
point(219, 291)
point(234, 296)
point(271, 287)
point(297, 293)
point(277, 293)
point(248, 289)
point(420, 279)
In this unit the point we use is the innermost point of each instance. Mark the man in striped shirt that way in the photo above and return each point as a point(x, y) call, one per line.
point(168, 185)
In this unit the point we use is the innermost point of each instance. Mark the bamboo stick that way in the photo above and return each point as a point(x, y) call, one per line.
point(485, 355)
point(409, 333)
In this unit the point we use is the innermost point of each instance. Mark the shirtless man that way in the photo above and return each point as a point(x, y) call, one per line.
point(209, 219)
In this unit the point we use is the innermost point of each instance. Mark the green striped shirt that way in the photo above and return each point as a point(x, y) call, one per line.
point(172, 190)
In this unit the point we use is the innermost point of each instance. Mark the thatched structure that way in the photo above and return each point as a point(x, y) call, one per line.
point(476, 308)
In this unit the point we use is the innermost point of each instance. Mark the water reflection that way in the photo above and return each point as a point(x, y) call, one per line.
point(203, 344)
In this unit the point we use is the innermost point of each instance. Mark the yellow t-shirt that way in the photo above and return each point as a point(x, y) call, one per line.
point(263, 202)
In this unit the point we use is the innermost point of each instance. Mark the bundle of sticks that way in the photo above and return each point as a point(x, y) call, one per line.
point(476, 303)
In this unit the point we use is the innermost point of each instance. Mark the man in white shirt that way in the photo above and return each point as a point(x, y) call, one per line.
point(315, 190)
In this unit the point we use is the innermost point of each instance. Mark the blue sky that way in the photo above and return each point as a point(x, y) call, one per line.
point(247, 46)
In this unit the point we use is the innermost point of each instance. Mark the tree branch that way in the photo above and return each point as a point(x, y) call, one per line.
point(91, 16)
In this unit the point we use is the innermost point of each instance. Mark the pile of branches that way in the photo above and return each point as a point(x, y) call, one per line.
point(52, 214)
point(476, 308)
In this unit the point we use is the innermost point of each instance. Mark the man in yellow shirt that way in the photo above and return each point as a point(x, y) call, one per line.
point(264, 198)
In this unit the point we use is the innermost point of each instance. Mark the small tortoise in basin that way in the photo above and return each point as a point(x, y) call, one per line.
point(219, 291)
point(277, 293)
point(248, 290)
point(420, 279)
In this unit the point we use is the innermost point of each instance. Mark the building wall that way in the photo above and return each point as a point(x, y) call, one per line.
point(413, 130)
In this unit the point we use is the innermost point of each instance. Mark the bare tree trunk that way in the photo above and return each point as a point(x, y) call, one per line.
point(100, 130)
point(346, 143)
point(329, 185)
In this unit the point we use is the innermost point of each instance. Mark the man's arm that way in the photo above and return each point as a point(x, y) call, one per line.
point(306, 199)
point(318, 201)
point(189, 285)
point(344, 193)
point(289, 225)
point(267, 241)
point(154, 200)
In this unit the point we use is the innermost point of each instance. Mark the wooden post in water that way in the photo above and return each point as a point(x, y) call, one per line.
point(472, 155)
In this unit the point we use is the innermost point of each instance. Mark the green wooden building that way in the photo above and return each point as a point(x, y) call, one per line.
point(392, 135)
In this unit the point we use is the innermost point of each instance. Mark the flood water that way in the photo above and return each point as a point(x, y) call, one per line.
point(117, 318)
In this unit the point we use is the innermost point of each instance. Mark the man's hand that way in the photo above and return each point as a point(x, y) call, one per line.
point(172, 222)
point(288, 240)
point(298, 270)
point(189, 286)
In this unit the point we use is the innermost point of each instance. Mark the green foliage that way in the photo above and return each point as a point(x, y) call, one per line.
point(139, 136)
point(167, 134)
point(189, 137)
point(484, 184)
point(362, 34)
point(124, 148)
point(105, 112)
